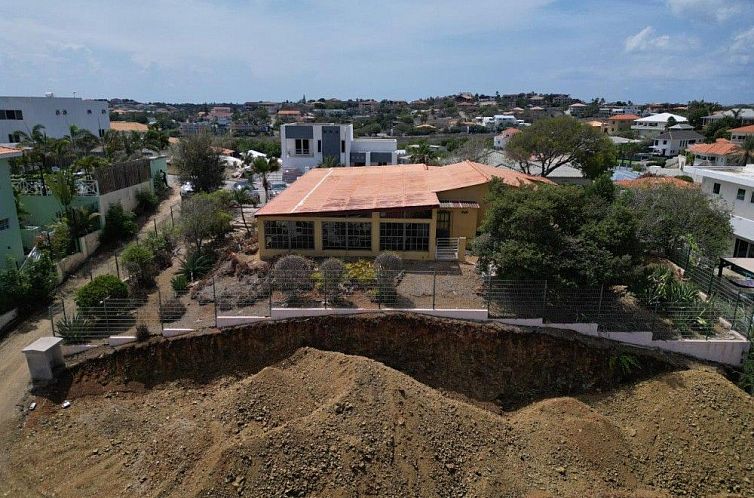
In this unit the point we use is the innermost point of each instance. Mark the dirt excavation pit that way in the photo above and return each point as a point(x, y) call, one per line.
point(326, 423)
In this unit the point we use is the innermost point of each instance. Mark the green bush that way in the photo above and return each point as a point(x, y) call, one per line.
point(92, 294)
point(31, 286)
point(360, 272)
point(142, 332)
point(138, 259)
point(119, 225)
point(61, 241)
point(332, 271)
point(685, 178)
point(196, 265)
point(146, 202)
point(292, 276)
point(387, 265)
point(179, 283)
point(162, 245)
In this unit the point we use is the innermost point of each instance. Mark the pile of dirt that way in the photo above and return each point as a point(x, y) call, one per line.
point(329, 424)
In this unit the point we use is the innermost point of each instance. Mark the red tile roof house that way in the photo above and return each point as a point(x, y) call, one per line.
point(721, 153)
point(421, 212)
point(739, 135)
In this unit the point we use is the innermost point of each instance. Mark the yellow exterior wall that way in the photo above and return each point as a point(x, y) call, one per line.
point(265, 253)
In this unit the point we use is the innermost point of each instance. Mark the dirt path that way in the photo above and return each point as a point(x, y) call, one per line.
point(14, 376)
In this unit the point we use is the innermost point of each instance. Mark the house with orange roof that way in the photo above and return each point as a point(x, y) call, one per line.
point(128, 126)
point(720, 153)
point(739, 135)
point(502, 138)
point(618, 123)
point(421, 212)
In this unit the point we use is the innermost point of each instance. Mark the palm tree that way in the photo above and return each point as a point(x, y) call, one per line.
point(423, 154)
point(63, 187)
point(240, 198)
point(263, 167)
point(329, 162)
point(746, 150)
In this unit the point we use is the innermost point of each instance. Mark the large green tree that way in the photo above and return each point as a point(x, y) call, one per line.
point(551, 143)
point(569, 235)
point(197, 162)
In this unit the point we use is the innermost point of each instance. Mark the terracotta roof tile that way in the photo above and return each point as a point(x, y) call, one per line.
point(369, 188)
point(623, 117)
point(721, 147)
point(744, 129)
point(6, 152)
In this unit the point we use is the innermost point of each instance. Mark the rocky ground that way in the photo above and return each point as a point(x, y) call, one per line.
point(328, 424)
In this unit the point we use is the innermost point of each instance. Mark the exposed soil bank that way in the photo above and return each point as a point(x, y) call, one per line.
point(483, 361)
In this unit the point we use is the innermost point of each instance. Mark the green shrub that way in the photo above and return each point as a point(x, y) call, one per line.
point(92, 294)
point(332, 271)
point(162, 245)
point(31, 286)
point(74, 329)
point(172, 310)
point(196, 265)
point(146, 202)
point(138, 260)
point(119, 225)
point(685, 178)
point(387, 265)
point(179, 283)
point(360, 272)
point(61, 240)
point(142, 332)
point(292, 276)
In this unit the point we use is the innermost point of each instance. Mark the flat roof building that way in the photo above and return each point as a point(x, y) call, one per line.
point(56, 114)
point(415, 210)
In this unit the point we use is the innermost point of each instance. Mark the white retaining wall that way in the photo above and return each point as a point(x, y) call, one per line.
point(462, 314)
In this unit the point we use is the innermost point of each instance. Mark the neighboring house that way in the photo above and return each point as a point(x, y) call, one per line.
point(654, 125)
point(416, 210)
point(618, 123)
point(501, 140)
point(578, 110)
point(56, 114)
point(195, 128)
point(307, 145)
point(289, 115)
point(735, 187)
point(720, 153)
point(128, 126)
point(11, 246)
point(739, 135)
point(744, 114)
point(675, 140)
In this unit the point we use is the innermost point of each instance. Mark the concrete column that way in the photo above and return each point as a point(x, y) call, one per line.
point(375, 232)
point(318, 237)
point(462, 249)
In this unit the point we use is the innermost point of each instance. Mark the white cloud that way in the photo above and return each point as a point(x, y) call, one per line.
point(646, 39)
point(742, 48)
point(720, 10)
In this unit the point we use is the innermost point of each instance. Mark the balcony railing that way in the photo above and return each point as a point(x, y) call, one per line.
point(30, 186)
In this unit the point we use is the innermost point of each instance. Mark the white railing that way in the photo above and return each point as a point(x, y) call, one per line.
point(29, 186)
point(446, 249)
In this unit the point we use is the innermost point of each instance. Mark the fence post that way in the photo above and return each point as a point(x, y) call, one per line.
point(489, 291)
point(324, 288)
point(159, 310)
point(434, 287)
point(751, 322)
point(272, 287)
point(154, 220)
point(544, 302)
point(688, 260)
point(172, 220)
point(735, 308)
point(214, 299)
point(107, 315)
point(599, 303)
point(117, 266)
point(62, 303)
point(711, 278)
point(91, 277)
point(52, 318)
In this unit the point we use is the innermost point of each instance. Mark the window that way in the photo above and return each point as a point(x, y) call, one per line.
point(319, 145)
point(88, 111)
point(19, 114)
point(422, 214)
point(404, 236)
point(11, 114)
point(4, 223)
point(716, 188)
point(57, 112)
point(65, 112)
point(104, 111)
point(289, 234)
point(743, 249)
point(14, 137)
point(348, 236)
point(302, 146)
point(342, 146)
point(741, 194)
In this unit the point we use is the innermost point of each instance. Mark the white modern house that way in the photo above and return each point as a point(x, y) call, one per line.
point(307, 145)
point(734, 186)
point(675, 140)
point(744, 114)
point(500, 141)
point(56, 114)
point(654, 125)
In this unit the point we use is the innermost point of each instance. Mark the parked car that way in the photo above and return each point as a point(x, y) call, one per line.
point(187, 189)
point(249, 187)
point(277, 188)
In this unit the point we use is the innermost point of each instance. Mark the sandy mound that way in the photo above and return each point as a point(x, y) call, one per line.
point(327, 424)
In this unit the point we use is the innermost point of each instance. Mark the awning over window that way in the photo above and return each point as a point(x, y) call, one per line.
point(459, 205)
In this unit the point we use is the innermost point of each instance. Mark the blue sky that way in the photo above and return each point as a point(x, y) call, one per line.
point(235, 50)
